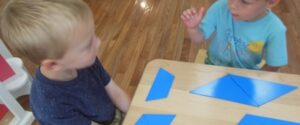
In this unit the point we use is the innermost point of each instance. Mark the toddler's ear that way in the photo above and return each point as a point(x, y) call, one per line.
point(50, 64)
point(272, 3)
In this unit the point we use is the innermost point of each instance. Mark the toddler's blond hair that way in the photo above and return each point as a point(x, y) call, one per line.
point(41, 29)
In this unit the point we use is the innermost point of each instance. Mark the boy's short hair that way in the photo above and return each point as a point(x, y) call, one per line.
point(41, 29)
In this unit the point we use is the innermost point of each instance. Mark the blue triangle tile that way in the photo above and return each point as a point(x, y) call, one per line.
point(261, 91)
point(249, 119)
point(226, 89)
point(155, 119)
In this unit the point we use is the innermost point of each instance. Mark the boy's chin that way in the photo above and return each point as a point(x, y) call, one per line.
point(239, 19)
point(90, 63)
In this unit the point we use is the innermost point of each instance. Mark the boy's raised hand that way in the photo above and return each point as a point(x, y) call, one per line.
point(192, 17)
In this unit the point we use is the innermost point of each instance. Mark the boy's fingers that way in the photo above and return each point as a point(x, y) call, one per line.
point(184, 18)
point(194, 11)
point(201, 13)
point(188, 12)
point(185, 14)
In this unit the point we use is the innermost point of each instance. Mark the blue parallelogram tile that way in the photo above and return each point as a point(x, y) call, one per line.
point(249, 119)
point(155, 119)
point(161, 85)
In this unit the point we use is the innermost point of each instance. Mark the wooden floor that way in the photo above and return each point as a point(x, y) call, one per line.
point(134, 32)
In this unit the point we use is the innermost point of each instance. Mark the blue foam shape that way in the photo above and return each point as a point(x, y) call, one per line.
point(261, 91)
point(249, 119)
point(155, 119)
point(226, 89)
point(161, 85)
point(244, 90)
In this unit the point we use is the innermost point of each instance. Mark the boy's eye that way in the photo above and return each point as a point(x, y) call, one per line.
point(245, 2)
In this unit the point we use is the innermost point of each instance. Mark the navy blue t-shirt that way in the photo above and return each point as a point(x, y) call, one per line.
point(75, 102)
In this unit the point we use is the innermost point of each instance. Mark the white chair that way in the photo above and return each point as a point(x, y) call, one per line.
point(20, 83)
point(21, 117)
point(4, 51)
point(14, 87)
